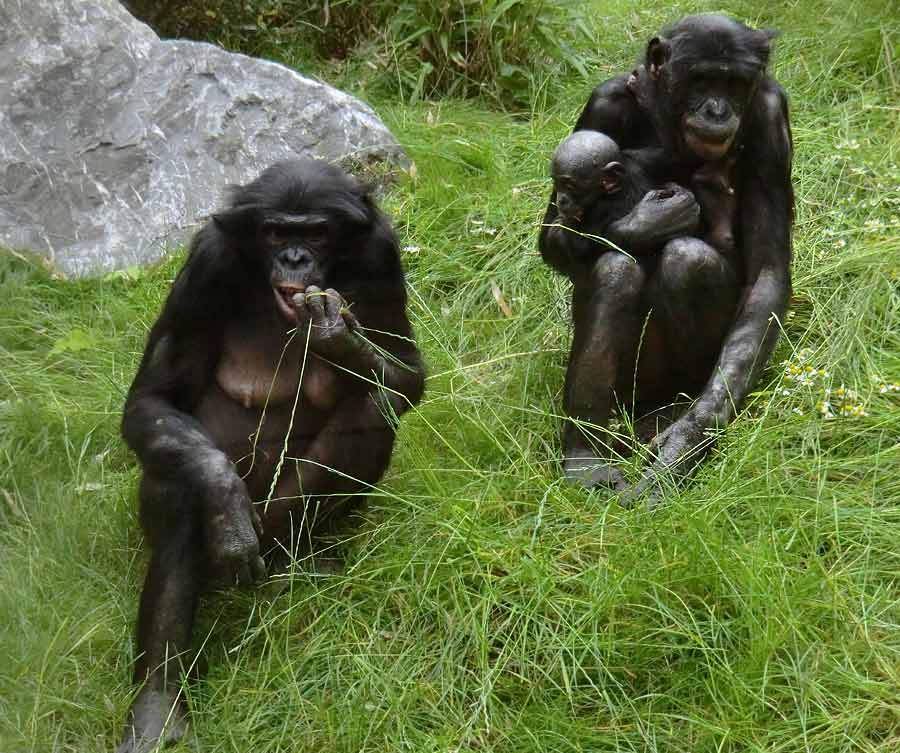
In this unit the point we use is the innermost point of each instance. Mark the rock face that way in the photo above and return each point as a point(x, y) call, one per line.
point(114, 144)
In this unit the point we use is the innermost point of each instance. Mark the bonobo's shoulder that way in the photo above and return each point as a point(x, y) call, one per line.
point(610, 108)
point(612, 88)
point(771, 101)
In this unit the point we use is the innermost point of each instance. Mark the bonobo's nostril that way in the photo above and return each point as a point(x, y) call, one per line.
point(715, 108)
point(295, 257)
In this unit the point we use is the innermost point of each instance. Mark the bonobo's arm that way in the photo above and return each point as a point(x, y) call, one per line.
point(766, 215)
point(660, 216)
point(170, 443)
point(766, 208)
point(613, 109)
point(177, 364)
point(560, 247)
point(663, 214)
point(372, 339)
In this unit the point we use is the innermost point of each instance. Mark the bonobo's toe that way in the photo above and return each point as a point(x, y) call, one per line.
point(590, 473)
point(647, 489)
point(156, 719)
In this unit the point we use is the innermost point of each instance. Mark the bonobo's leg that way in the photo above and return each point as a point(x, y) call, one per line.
point(607, 312)
point(166, 615)
point(348, 456)
point(694, 294)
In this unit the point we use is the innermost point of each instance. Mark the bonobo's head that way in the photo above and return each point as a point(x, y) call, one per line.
point(296, 225)
point(706, 71)
point(586, 167)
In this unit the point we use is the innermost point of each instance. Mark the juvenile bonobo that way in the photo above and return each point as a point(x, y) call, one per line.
point(265, 403)
point(704, 310)
point(597, 185)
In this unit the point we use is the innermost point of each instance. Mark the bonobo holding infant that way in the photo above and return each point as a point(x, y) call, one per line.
point(693, 305)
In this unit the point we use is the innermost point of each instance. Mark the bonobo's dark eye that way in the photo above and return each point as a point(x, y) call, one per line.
point(315, 235)
point(277, 236)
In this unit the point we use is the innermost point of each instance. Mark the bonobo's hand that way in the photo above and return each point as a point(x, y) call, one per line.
point(571, 217)
point(331, 322)
point(677, 451)
point(665, 213)
point(231, 532)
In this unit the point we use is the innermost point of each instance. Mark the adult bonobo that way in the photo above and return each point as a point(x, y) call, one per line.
point(703, 311)
point(265, 403)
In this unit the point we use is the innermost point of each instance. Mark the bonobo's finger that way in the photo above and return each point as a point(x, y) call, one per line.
point(333, 303)
point(256, 520)
point(259, 569)
point(350, 319)
point(630, 497)
point(314, 303)
point(302, 311)
point(242, 575)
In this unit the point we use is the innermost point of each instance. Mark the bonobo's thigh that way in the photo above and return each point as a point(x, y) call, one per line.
point(693, 296)
point(318, 489)
point(606, 313)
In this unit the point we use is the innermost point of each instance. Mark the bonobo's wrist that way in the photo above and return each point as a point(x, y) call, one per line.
point(707, 416)
point(222, 486)
point(341, 348)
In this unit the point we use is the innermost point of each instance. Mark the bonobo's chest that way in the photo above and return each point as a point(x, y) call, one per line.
point(266, 392)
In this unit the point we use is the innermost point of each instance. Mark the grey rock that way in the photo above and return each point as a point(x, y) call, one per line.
point(115, 144)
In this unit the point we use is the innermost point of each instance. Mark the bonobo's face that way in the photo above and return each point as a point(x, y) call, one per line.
point(299, 251)
point(299, 224)
point(716, 98)
point(707, 69)
point(585, 168)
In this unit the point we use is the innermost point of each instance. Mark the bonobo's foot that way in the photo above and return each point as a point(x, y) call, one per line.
point(156, 719)
point(590, 472)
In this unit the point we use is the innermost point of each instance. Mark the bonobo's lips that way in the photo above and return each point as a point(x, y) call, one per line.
point(284, 292)
point(709, 142)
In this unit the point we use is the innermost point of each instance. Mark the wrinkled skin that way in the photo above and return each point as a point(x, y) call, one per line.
point(264, 406)
point(695, 315)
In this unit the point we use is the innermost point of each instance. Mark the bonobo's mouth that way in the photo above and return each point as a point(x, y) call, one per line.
point(709, 142)
point(284, 294)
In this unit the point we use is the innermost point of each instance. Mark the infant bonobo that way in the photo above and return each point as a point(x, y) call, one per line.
point(597, 186)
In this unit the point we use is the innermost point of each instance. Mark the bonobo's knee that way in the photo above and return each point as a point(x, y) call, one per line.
point(688, 263)
point(616, 274)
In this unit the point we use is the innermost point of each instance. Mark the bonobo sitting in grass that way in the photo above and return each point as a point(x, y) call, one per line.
point(265, 405)
point(678, 314)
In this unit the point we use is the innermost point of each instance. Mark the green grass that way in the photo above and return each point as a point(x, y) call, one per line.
point(484, 607)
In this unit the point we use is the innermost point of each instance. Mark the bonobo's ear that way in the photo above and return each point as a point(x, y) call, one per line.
point(611, 179)
point(239, 220)
point(359, 212)
point(659, 50)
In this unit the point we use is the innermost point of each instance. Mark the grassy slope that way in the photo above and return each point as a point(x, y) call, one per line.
point(484, 607)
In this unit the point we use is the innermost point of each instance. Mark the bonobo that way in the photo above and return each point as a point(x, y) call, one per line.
point(265, 403)
point(681, 314)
